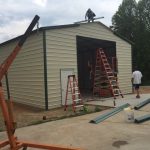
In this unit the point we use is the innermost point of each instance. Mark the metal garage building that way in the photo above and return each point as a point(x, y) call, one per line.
point(38, 74)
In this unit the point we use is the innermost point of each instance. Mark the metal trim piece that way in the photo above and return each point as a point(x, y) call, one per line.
point(45, 70)
point(142, 118)
point(7, 86)
point(109, 114)
point(138, 106)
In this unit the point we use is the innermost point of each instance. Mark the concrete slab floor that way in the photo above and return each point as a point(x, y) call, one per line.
point(130, 98)
point(112, 134)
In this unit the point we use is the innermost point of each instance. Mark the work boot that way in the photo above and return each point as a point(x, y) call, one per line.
point(138, 96)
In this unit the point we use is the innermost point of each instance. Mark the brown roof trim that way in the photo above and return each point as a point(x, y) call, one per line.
point(66, 26)
point(117, 34)
point(42, 29)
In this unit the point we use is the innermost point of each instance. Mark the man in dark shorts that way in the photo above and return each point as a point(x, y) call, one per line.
point(136, 80)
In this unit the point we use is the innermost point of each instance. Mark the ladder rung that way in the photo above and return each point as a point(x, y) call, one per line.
point(110, 72)
point(97, 73)
point(114, 85)
point(69, 91)
point(76, 94)
point(78, 106)
point(104, 81)
point(105, 60)
point(96, 81)
point(113, 80)
point(73, 81)
point(116, 89)
point(106, 65)
point(96, 78)
point(110, 76)
point(75, 88)
point(104, 87)
point(108, 68)
point(97, 85)
point(76, 100)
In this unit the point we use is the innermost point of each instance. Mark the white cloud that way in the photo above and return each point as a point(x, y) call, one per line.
point(14, 28)
point(14, 14)
point(40, 2)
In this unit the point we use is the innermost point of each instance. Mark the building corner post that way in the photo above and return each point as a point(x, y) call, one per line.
point(45, 70)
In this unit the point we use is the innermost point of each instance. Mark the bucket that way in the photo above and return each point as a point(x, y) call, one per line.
point(129, 114)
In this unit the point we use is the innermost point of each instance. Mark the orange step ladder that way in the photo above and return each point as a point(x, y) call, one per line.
point(105, 75)
point(73, 91)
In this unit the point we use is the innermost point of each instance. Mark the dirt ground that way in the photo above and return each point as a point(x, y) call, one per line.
point(114, 133)
point(145, 89)
point(25, 115)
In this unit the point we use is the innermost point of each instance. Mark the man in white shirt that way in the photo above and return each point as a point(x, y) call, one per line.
point(136, 80)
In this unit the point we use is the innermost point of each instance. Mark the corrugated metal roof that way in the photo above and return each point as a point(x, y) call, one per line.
point(66, 26)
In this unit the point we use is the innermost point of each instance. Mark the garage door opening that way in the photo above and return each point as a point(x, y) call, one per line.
point(86, 58)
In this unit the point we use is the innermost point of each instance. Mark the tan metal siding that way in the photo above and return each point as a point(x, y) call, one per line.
point(26, 74)
point(123, 51)
point(61, 53)
point(124, 67)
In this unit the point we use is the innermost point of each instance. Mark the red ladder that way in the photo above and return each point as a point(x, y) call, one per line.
point(73, 90)
point(100, 78)
point(105, 75)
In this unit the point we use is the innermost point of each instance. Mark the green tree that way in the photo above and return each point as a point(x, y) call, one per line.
point(141, 49)
point(132, 20)
point(144, 13)
point(123, 20)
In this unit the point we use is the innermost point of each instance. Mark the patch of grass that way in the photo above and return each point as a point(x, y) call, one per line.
point(97, 109)
point(87, 109)
point(1, 130)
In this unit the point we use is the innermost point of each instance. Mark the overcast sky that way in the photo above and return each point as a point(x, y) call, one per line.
point(16, 15)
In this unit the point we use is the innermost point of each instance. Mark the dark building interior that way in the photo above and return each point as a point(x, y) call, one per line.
point(86, 58)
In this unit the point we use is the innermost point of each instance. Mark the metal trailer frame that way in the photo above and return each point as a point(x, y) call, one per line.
point(7, 107)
